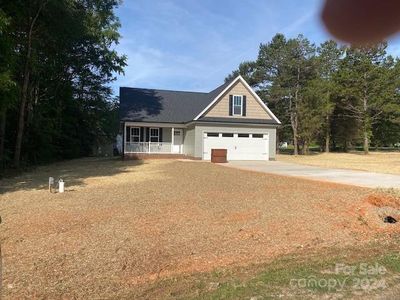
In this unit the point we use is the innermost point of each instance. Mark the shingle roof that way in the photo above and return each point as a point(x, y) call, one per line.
point(150, 105)
point(164, 106)
point(214, 93)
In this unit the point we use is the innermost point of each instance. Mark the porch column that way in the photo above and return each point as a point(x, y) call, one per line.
point(124, 140)
point(172, 139)
point(147, 137)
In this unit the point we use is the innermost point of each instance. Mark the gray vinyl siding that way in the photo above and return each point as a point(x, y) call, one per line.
point(200, 129)
point(188, 141)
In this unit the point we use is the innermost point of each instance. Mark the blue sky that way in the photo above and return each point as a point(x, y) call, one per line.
point(193, 45)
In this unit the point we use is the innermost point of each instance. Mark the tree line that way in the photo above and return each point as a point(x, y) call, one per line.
point(339, 97)
point(57, 60)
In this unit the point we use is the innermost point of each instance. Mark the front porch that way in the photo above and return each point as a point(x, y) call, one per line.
point(152, 139)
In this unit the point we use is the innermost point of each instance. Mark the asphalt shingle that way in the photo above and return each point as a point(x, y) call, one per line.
point(165, 106)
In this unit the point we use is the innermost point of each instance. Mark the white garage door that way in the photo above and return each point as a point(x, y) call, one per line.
point(240, 146)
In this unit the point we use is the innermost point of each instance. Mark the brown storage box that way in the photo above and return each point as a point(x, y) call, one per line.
point(218, 155)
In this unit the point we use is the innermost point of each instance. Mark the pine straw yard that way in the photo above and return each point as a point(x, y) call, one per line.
point(379, 162)
point(122, 226)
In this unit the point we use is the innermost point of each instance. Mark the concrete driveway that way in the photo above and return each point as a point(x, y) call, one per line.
point(359, 178)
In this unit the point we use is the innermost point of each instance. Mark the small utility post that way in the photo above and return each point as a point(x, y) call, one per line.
point(51, 182)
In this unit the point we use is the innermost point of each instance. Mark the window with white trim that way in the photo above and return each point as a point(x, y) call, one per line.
point(237, 105)
point(154, 135)
point(135, 134)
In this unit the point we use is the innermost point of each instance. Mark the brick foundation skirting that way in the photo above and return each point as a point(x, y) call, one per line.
point(157, 156)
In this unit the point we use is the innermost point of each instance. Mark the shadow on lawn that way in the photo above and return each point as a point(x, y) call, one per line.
point(73, 172)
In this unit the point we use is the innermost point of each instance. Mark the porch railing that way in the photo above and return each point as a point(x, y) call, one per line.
point(148, 147)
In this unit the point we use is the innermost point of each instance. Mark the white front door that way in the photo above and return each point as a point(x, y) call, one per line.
point(239, 146)
point(178, 139)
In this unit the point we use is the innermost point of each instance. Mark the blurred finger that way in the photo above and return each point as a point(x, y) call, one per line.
point(361, 21)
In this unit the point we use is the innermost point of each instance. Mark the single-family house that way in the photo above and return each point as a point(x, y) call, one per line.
point(164, 123)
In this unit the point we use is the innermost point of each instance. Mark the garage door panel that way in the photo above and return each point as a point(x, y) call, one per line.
point(238, 148)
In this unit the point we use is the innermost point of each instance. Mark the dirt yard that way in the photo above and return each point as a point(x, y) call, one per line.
point(121, 226)
point(379, 162)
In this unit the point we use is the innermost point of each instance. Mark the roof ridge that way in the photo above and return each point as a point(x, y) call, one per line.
point(163, 90)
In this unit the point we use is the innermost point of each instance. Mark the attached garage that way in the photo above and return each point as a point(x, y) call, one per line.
point(240, 146)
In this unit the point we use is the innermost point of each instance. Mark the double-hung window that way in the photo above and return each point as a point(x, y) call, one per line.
point(154, 135)
point(135, 134)
point(237, 105)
